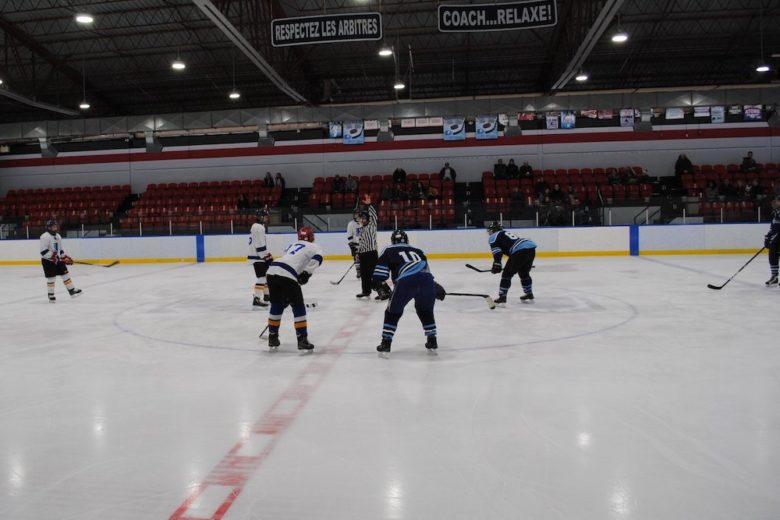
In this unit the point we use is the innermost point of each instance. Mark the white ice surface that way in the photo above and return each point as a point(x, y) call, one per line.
point(627, 390)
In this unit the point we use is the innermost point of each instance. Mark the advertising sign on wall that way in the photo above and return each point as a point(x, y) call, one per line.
point(353, 132)
point(487, 127)
point(454, 129)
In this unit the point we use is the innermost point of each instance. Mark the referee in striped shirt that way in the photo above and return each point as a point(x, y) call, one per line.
point(367, 247)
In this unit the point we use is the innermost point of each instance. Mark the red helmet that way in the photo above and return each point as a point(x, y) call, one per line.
point(306, 233)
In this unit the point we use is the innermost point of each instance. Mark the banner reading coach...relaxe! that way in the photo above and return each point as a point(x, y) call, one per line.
point(498, 17)
point(326, 29)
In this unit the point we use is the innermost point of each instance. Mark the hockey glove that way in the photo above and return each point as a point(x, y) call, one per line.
point(67, 260)
point(353, 249)
point(496, 268)
point(303, 278)
point(770, 239)
point(268, 258)
point(440, 292)
point(54, 258)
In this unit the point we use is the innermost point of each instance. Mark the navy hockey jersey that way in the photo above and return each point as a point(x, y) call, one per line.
point(507, 243)
point(399, 261)
point(774, 223)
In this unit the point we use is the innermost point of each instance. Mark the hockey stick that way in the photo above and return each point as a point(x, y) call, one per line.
point(476, 269)
point(112, 264)
point(719, 287)
point(345, 275)
point(487, 298)
point(265, 329)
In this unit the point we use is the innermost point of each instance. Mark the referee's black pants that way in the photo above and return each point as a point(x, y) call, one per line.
point(367, 265)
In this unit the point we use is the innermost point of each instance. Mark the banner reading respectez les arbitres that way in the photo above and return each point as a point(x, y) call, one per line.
point(326, 29)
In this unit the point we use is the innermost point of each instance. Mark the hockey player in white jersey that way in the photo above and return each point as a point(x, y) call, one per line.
point(353, 239)
point(55, 261)
point(260, 258)
point(285, 277)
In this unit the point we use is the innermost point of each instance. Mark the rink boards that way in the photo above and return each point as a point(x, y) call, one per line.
point(465, 243)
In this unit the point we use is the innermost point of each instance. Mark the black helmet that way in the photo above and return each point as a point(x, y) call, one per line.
point(399, 237)
point(51, 222)
point(260, 214)
point(494, 227)
point(364, 215)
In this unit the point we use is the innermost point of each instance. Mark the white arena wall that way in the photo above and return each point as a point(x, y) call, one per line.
point(301, 161)
point(472, 243)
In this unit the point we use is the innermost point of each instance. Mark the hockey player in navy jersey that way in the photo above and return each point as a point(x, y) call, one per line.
point(521, 253)
point(772, 242)
point(285, 277)
point(412, 278)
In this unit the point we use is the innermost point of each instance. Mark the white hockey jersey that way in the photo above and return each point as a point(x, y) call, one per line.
point(51, 245)
point(257, 245)
point(298, 257)
point(353, 232)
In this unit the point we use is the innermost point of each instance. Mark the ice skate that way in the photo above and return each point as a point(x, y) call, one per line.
point(52, 299)
point(258, 304)
point(273, 341)
point(500, 300)
point(431, 343)
point(527, 298)
point(74, 293)
point(772, 282)
point(303, 343)
point(384, 346)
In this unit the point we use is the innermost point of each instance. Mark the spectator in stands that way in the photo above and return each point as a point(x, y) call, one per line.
point(512, 171)
point(499, 170)
point(710, 191)
point(749, 164)
point(243, 202)
point(557, 195)
point(255, 203)
point(399, 176)
point(418, 192)
point(279, 182)
point(540, 187)
point(754, 190)
point(613, 177)
point(399, 192)
point(447, 172)
point(338, 184)
point(682, 165)
point(739, 188)
point(268, 182)
point(433, 193)
point(387, 192)
point(727, 191)
point(526, 171)
point(351, 184)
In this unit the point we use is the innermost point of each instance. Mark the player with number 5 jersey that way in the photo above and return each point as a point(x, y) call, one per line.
point(521, 253)
point(408, 268)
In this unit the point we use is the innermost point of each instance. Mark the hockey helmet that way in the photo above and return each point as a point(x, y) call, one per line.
point(399, 237)
point(261, 214)
point(306, 233)
point(494, 227)
point(363, 215)
point(51, 223)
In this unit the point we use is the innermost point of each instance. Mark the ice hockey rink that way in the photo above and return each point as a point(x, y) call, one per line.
point(626, 390)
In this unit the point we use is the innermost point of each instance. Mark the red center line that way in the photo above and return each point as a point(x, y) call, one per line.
point(228, 478)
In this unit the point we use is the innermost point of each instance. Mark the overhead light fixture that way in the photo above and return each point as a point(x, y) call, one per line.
point(234, 94)
point(620, 36)
point(84, 105)
point(399, 85)
point(177, 64)
point(84, 18)
point(1, 81)
point(385, 51)
point(762, 67)
point(581, 77)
